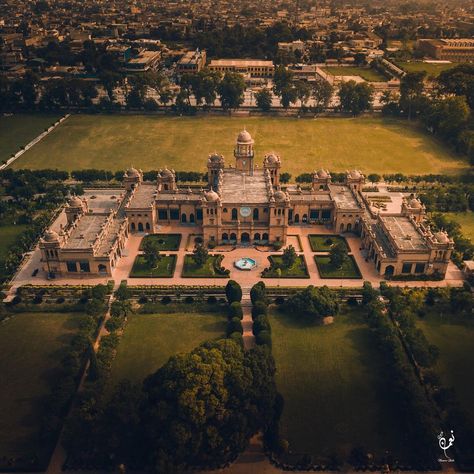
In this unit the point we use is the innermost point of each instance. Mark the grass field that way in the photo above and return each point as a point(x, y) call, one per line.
point(333, 386)
point(349, 268)
point(165, 241)
point(466, 220)
point(31, 350)
point(324, 242)
point(8, 234)
point(149, 142)
point(151, 339)
point(164, 268)
point(297, 270)
point(370, 75)
point(208, 270)
point(18, 130)
point(432, 70)
point(455, 365)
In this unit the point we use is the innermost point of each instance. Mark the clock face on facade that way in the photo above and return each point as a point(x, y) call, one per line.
point(245, 211)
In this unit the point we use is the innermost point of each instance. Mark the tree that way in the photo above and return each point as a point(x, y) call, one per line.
point(264, 99)
point(151, 252)
point(201, 408)
point(289, 256)
point(411, 91)
point(458, 80)
point(258, 293)
point(374, 177)
point(231, 90)
point(303, 92)
point(200, 255)
point(337, 254)
point(233, 291)
point(321, 95)
point(285, 178)
point(313, 302)
point(355, 98)
point(282, 80)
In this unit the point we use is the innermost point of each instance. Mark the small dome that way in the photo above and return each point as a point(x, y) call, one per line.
point(280, 196)
point(212, 196)
point(272, 159)
point(133, 173)
point(414, 203)
point(216, 158)
point(322, 174)
point(442, 237)
point(355, 174)
point(51, 236)
point(75, 202)
point(166, 173)
point(244, 137)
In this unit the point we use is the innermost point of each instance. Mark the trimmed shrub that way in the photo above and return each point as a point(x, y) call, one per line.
point(37, 299)
point(260, 324)
point(264, 338)
point(212, 300)
point(235, 310)
point(234, 325)
point(279, 300)
point(189, 300)
point(113, 324)
point(60, 300)
point(259, 308)
point(233, 291)
point(166, 300)
point(258, 292)
point(237, 337)
point(143, 300)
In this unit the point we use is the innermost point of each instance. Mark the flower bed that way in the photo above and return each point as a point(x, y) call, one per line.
point(164, 268)
point(349, 269)
point(323, 242)
point(277, 269)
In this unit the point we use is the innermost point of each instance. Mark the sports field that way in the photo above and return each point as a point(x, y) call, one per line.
point(149, 142)
point(333, 386)
point(370, 75)
point(431, 69)
point(150, 340)
point(455, 366)
point(32, 344)
point(19, 129)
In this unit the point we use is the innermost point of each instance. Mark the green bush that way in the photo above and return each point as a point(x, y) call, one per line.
point(264, 338)
point(234, 325)
point(259, 308)
point(260, 324)
point(114, 323)
point(233, 291)
point(235, 310)
point(238, 338)
point(258, 292)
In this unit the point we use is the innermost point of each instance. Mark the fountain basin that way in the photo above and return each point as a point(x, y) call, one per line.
point(245, 263)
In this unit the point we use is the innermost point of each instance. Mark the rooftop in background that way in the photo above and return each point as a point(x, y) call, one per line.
point(343, 197)
point(404, 233)
point(103, 200)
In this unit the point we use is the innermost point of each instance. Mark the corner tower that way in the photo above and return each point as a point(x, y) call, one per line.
point(243, 152)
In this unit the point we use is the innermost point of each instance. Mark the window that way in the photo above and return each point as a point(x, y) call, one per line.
point(234, 214)
point(71, 266)
point(174, 214)
point(314, 214)
point(84, 266)
point(406, 268)
point(326, 214)
point(420, 268)
point(224, 210)
point(163, 214)
point(199, 214)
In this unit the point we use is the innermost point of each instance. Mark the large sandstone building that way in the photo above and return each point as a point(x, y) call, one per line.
point(245, 204)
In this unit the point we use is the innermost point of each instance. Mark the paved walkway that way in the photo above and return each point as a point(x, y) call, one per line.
point(246, 279)
point(247, 322)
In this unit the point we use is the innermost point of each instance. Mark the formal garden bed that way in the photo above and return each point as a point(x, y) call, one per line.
point(210, 269)
point(348, 270)
point(164, 268)
point(278, 269)
point(323, 242)
point(165, 241)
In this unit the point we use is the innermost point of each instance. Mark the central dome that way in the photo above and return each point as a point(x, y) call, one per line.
point(244, 137)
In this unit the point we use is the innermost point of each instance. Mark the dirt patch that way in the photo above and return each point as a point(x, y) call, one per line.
point(328, 320)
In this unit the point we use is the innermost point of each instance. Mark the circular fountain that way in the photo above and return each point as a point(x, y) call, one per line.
point(245, 263)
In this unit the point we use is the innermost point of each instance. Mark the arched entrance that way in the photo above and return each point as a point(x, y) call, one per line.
point(255, 214)
point(245, 237)
point(341, 228)
point(102, 268)
point(147, 226)
point(183, 218)
point(389, 271)
point(133, 226)
point(140, 227)
point(305, 218)
point(297, 218)
point(225, 236)
point(233, 236)
point(264, 236)
point(191, 218)
point(257, 236)
point(349, 227)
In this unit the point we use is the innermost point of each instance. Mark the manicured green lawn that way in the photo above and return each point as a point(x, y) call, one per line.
point(19, 129)
point(150, 340)
point(455, 366)
point(368, 74)
point(164, 269)
point(165, 241)
point(349, 268)
point(209, 270)
point(466, 220)
point(297, 270)
point(150, 142)
point(432, 70)
point(333, 386)
point(323, 243)
point(32, 344)
point(8, 234)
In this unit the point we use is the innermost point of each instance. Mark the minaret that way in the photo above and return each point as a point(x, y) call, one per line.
point(243, 153)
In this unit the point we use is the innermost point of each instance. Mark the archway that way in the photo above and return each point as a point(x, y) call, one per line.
point(191, 218)
point(147, 226)
point(255, 214)
point(102, 268)
point(389, 271)
point(341, 227)
point(257, 236)
point(245, 237)
point(234, 214)
point(233, 236)
point(297, 218)
point(349, 227)
point(305, 218)
point(133, 226)
point(183, 218)
point(225, 236)
point(140, 227)
point(264, 236)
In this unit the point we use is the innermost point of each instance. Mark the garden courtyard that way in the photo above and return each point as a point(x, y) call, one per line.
point(114, 142)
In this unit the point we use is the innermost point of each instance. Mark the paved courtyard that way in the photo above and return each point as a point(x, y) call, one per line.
point(298, 237)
